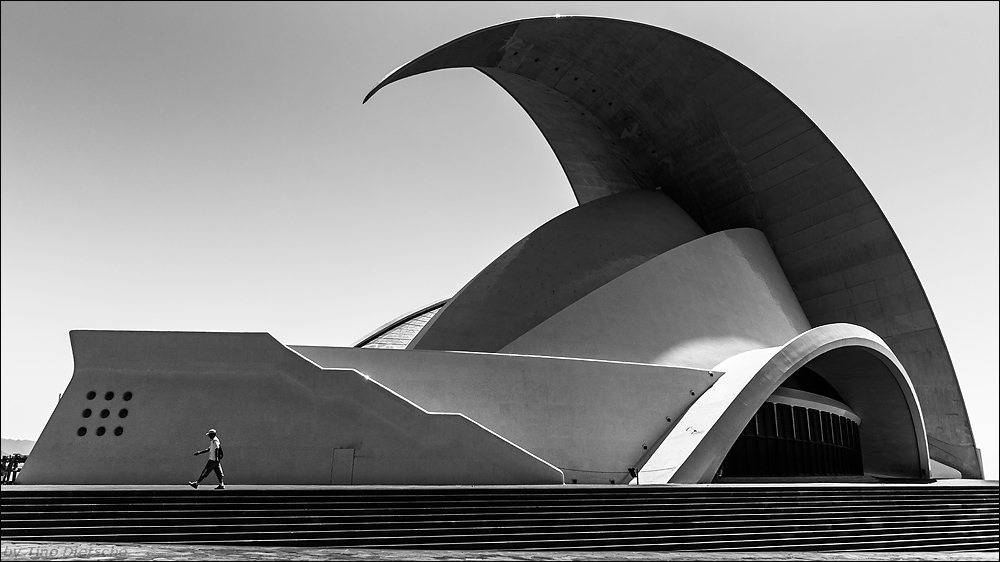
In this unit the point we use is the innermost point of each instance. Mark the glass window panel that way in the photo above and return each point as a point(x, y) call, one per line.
point(827, 427)
point(769, 426)
point(845, 429)
point(815, 429)
point(785, 423)
point(801, 423)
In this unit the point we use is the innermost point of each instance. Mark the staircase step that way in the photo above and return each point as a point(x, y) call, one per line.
point(725, 517)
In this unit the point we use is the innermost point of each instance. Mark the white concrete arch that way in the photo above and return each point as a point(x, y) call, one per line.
point(894, 441)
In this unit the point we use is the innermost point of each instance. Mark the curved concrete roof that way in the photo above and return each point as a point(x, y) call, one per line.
point(555, 266)
point(630, 106)
point(397, 333)
point(692, 306)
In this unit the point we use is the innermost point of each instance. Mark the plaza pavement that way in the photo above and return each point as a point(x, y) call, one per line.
point(18, 550)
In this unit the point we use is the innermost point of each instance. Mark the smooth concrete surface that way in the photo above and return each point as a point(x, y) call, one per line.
point(871, 379)
point(281, 420)
point(893, 442)
point(627, 106)
point(592, 419)
point(943, 471)
point(692, 306)
point(556, 265)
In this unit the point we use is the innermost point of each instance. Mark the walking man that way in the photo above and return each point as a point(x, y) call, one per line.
point(214, 463)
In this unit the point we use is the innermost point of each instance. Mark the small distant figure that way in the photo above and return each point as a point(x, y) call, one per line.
point(214, 463)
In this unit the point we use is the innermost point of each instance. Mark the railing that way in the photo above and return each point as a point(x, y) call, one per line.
point(11, 466)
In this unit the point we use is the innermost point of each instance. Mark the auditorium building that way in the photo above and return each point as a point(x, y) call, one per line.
point(727, 301)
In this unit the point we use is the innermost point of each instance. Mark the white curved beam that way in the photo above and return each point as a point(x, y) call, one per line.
point(697, 445)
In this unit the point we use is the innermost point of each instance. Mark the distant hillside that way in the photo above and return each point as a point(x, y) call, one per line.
point(17, 446)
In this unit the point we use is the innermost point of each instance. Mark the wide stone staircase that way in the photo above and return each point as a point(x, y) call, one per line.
point(743, 517)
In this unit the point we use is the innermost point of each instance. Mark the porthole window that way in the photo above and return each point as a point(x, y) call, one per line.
point(109, 395)
point(91, 395)
point(127, 396)
point(105, 413)
point(122, 413)
point(87, 413)
point(119, 431)
point(82, 431)
point(100, 430)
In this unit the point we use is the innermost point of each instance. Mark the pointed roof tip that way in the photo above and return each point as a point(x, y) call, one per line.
point(371, 93)
point(387, 79)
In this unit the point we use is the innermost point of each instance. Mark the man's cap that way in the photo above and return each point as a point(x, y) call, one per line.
point(211, 431)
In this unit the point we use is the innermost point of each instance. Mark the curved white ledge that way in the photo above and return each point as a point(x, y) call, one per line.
point(878, 391)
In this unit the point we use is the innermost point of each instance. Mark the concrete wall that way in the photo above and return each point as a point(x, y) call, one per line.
point(554, 266)
point(693, 306)
point(592, 419)
point(280, 419)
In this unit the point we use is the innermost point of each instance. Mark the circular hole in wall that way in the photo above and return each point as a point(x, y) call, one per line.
point(105, 413)
point(91, 395)
point(101, 430)
point(127, 396)
point(122, 413)
point(119, 431)
point(109, 395)
point(87, 412)
point(82, 431)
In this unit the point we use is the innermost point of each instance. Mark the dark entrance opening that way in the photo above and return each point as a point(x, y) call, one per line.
point(787, 440)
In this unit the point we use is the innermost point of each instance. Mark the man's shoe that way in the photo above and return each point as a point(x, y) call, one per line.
point(193, 485)
point(220, 487)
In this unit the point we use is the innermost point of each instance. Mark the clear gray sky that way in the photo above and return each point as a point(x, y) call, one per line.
point(209, 166)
